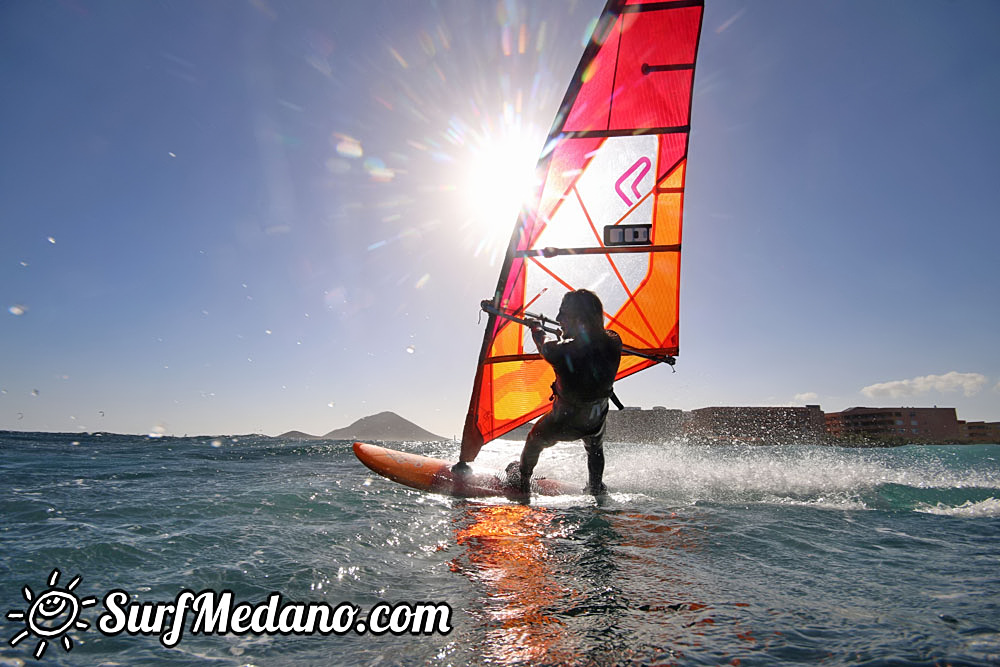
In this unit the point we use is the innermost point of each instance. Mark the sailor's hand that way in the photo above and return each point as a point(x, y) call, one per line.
point(537, 333)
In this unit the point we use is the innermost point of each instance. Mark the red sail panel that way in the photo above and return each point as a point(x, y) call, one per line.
point(643, 73)
point(591, 109)
point(616, 156)
point(654, 90)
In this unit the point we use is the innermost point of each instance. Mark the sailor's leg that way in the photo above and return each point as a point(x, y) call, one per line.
point(538, 439)
point(595, 463)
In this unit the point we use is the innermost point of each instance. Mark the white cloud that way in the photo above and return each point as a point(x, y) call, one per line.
point(807, 397)
point(969, 383)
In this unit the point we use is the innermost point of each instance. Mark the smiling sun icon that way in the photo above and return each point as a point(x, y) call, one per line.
point(51, 615)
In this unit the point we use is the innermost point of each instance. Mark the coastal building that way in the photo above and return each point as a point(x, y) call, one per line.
point(755, 423)
point(939, 424)
point(637, 425)
point(808, 424)
point(979, 432)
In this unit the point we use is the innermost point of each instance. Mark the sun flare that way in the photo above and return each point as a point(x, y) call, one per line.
point(499, 179)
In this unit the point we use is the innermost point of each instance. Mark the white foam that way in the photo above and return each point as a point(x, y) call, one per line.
point(819, 476)
point(984, 508)
point(688, 472)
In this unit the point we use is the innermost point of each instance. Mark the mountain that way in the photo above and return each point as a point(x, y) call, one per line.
point(298, 435)
point(383, 426)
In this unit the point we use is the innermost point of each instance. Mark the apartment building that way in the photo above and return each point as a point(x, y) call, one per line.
point(636, 425)
point(939, 424)
point(809, 424)
point(981, 432)
point(757, 422)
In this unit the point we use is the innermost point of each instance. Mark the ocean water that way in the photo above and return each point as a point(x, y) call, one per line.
point(723, 554)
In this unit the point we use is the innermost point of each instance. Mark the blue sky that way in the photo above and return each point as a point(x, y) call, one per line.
point(239, 217)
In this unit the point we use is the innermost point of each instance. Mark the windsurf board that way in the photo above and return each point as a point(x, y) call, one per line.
point(435, 475)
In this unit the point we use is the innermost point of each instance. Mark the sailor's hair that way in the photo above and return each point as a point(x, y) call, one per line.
point(587, 306)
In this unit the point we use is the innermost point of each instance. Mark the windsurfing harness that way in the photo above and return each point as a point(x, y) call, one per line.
point(585, 369)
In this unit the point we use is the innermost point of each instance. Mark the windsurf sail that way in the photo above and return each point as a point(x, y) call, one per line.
point(606, 215)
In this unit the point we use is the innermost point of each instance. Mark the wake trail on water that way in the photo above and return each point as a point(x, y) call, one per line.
point(959, 481)
point(932, 479)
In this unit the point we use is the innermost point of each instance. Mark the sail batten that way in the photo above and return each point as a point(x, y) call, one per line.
point(597, 250)
point(640, 6)
point(607, 213)
point(632, 132)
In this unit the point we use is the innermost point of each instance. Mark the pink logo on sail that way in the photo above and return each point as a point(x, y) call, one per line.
point(644, 165)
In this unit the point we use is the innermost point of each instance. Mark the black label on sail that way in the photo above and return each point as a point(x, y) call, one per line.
point(615, 235)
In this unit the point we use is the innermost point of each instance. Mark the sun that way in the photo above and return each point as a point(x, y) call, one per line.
point(498, 179)
point(51, 615)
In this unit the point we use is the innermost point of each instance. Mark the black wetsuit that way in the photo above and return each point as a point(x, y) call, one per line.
point(585, 374)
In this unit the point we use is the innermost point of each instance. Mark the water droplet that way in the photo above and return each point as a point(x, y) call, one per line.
point(411, 349)
point(52, 240)
point(172, 154)
point(17, 309)
point(330, 404)
point(216, 443)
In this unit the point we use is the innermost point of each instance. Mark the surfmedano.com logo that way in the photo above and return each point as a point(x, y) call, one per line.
point(51, 615)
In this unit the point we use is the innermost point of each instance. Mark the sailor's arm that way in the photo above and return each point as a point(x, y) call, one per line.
point(549, 349)
point(538, 335)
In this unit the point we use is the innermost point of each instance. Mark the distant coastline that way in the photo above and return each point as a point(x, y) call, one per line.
point(864, 427)
point(857, 427)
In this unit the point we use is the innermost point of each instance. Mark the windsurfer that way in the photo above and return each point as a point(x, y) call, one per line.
point(585, 363)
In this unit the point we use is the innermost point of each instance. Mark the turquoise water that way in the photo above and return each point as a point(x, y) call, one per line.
point(729, 554)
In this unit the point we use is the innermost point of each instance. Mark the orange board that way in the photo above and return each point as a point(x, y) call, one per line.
point(435, 475)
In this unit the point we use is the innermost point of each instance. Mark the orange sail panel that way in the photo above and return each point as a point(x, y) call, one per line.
point(607, 213)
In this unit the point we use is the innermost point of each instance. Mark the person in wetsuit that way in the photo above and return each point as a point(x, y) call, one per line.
point(585, 362)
